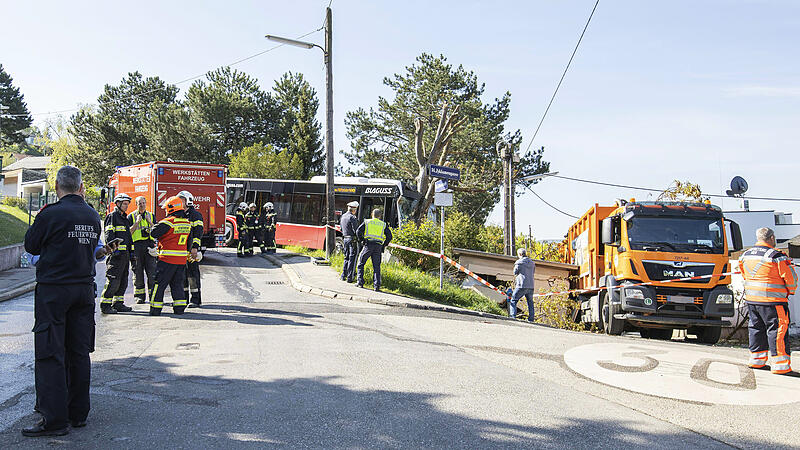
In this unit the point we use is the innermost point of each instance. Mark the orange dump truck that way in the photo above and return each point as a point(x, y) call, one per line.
point(159, 180)
point(617, 247)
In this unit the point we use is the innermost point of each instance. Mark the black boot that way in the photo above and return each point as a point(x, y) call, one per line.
point(178, 310)
point(40, 430)
point(155, 311)
point(106, 308)
point(120, 307)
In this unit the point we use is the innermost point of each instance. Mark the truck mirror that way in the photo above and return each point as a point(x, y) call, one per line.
point(736, 236)
point(607, 232)
point(103, 193)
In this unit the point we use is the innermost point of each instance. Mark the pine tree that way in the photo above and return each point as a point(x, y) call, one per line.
point(16, 118)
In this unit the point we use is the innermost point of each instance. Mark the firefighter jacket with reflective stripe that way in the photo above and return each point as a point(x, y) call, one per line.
point(240, 223)
point(196, 220)
point(173, 234)
point(251, 220)
point(768, 275)
point(267, 219)
point(118, 227)
point(374, 230)
point(146, 223)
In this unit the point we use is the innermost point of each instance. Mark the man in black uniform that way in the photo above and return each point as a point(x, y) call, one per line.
point(251, 221)
point(349, 224)
point(269, 226)
point(192, 284)
point(117, 226)
point(241, 225)
point(65, 234)
point(377, 235)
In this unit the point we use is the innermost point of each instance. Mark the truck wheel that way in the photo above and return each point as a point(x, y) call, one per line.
point(663, 334)
point(611, 325)
point(709, 335)
point(229, 240)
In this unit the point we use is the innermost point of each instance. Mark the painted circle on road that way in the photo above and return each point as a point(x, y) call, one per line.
point(681, 374)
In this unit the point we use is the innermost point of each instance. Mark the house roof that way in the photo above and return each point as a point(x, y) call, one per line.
point(29, 175)
point(31, 162)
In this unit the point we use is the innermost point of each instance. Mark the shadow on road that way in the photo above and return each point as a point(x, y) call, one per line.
point(143, 403)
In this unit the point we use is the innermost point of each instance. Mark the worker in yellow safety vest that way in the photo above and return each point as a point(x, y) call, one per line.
point(376, 235)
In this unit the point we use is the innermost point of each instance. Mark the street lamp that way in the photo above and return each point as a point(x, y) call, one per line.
point(330, 233)
point(538, 177)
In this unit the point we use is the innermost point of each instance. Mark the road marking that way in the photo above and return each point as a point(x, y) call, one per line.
point(681, 374)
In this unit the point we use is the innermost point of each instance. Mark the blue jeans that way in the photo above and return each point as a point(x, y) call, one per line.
point(516, 296)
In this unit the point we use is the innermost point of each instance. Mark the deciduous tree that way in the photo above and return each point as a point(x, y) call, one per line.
point(264, 161)
point(437, 116)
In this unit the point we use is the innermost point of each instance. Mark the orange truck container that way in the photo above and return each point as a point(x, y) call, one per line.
point(158, 180)
point(633, 242)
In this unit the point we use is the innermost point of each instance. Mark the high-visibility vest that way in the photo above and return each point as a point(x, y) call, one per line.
point(145, 222)
point(374, 230)
point(173, 246)
point(768, 275)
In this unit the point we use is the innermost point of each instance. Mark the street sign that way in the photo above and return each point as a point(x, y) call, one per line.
point(443, 199)
point(441, 186)
point(447, 173)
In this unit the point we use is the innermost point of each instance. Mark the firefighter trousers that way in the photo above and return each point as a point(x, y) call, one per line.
point(63, 338)
point(769, 332)
point(374, 251)
point(145, 267)
point(191, 285)
point(116, 277)
point(245, 242)
point(171, 275)
point(269, 239)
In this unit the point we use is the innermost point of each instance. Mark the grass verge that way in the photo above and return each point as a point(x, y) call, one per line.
point(399, 279)
point(13, 225)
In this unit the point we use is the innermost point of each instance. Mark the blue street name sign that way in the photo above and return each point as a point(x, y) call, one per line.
point(447, 173)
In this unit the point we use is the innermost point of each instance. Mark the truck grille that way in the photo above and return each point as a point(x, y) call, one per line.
point(669, 270)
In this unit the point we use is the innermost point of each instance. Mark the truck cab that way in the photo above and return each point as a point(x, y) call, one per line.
point(655, 266)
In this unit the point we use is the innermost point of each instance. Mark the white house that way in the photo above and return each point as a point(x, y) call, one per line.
point(750, 221)
point(26, 176)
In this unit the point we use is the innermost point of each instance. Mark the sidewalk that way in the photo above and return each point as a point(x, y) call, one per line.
point(306, 276)
point(14, 282)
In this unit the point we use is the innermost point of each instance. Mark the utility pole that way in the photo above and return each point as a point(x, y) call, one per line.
point(509, 231)
point(330, 235)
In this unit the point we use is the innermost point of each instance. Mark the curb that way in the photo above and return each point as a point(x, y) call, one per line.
point(8, 294)
point(296, 283)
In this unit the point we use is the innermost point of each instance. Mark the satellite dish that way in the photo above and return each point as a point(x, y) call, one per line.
point(738, 186)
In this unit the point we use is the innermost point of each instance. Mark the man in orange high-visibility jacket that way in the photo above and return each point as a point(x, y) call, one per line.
point(173, 234)
point(769, 280)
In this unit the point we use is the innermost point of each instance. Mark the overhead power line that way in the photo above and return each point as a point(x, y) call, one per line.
point(550, 205)
point(562, 76)
point(185, 80)
point(639, 188)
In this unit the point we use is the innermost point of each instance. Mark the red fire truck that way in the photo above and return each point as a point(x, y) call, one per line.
point(159, 180)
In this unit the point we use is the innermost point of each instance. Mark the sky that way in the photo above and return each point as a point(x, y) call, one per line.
point(689, 90)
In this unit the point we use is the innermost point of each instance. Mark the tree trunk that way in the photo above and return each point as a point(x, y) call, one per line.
point(448, 125)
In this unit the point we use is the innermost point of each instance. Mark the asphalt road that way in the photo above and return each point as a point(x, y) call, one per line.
point(263, 365)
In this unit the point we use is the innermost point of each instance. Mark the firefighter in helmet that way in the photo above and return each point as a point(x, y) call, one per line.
point(174, 246)
point(242, 227)
point(117, 226)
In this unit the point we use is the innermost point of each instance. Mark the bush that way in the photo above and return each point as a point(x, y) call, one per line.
point(424, 237)
point(18, 202)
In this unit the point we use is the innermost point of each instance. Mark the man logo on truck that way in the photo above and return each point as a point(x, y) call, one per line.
point(678, 274)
